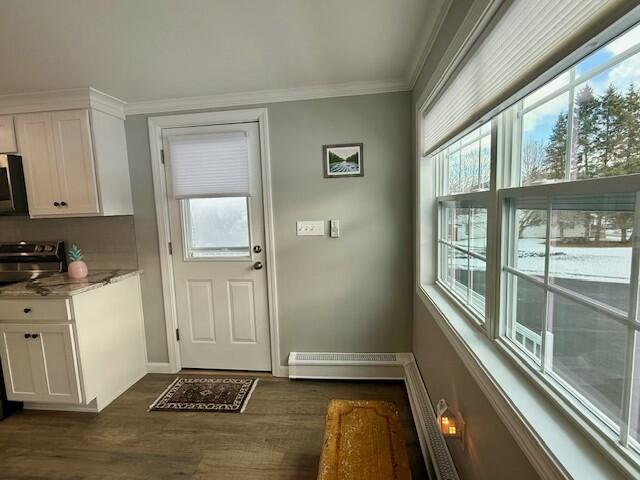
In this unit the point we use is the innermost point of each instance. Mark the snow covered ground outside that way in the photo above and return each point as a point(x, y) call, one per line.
point(606, 264)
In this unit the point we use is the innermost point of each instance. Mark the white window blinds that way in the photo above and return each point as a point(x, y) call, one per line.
point(210, 165)
point(521, 40)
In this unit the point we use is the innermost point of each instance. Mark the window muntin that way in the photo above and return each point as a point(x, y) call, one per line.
point(576, 327)
point(216, 227)
point(569, 308)
point(466, 163)
point(462, 251)
point(586, 122)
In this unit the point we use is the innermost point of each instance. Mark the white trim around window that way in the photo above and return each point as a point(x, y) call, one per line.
point(562, 432)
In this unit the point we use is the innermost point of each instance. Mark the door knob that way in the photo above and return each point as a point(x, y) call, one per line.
point(63, 204)
point(258, 266)
point(257, 249)
point(27, 335)
point(56, 204)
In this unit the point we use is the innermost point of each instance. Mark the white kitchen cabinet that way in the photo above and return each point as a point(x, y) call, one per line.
point(39, 363)
point(7, 135)
point(75, 159)
point(78, 352)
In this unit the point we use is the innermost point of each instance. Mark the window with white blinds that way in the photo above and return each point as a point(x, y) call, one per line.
point(210, 165)
point(526, 36)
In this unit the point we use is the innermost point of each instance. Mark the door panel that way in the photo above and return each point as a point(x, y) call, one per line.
point(221, 299)
point(7, 135)
point(35, 138)
point(20, 374)
point(201, 314)
point(74, 150)
point(242, 318)
point(57, 350)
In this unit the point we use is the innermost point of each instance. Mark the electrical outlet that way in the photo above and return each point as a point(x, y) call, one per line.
point(310, 228)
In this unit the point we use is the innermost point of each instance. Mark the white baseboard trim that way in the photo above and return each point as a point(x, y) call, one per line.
point(159, 367)
point(434, 448)
point(347, 366)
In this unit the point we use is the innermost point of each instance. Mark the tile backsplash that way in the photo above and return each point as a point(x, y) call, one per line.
point(106, 242)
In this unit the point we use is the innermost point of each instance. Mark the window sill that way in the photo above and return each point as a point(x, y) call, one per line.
point(553, 441)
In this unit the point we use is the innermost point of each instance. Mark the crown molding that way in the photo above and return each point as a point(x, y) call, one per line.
point(264, 96)
point(428, 37)
point(69, 99)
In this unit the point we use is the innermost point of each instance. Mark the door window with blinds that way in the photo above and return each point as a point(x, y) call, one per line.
point(211, 178)
point(566, 196)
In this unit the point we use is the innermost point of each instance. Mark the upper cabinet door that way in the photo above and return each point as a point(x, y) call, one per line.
point(74, 151)
point(35, 138)
point(7, 135)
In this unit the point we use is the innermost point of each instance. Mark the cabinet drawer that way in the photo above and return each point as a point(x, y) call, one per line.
point(35, 309)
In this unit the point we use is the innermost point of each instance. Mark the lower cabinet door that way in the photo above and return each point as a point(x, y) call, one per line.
point(40, 363)
point(21, 377)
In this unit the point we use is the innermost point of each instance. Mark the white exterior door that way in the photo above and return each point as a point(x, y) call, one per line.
point(219, 269)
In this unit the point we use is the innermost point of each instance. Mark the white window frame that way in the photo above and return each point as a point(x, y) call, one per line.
point(480, 196)
point(618, 439)
point(505, 183)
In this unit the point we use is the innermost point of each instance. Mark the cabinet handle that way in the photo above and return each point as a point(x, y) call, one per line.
point(34, 335)
point(27, 335)
point(27, 310)
point(63, 204)
point(56, 204)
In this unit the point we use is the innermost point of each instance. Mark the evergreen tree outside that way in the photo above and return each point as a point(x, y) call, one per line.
point(610, 135)
point(586, 125)
point(556, 149)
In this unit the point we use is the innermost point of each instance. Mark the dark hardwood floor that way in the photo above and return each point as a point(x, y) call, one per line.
point(279, 436)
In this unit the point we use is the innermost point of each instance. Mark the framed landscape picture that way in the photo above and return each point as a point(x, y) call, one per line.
point(344, 160)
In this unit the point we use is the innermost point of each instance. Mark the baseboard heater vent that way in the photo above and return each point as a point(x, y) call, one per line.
point(347, 366)
point(431, 440)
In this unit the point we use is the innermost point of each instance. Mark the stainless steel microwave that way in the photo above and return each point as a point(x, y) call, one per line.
point(13, 195)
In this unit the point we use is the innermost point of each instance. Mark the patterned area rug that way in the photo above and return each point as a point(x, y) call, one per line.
point(206, 394)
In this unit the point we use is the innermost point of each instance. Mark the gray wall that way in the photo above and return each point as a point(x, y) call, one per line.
point(351, 294)
point(491, 451)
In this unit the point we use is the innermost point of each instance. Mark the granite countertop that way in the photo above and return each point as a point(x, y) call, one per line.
point(60, 285)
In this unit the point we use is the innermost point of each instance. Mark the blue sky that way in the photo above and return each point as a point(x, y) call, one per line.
point(538, 123)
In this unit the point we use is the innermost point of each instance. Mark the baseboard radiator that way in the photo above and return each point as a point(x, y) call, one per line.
point(432, 443)
point(347, 366)
point(384, 366)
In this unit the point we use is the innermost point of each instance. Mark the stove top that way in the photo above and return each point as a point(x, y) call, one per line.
point(20, 261)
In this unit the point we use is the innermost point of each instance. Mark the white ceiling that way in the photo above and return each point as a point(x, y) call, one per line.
point(140, 50)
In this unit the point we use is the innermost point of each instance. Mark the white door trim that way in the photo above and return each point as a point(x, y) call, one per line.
point(156, 124)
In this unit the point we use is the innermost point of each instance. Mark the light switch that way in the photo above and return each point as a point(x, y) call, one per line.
point(334, 228)
point(310, 228)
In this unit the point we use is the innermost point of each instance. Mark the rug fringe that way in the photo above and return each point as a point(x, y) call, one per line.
point(161, 396)
point(248, 397)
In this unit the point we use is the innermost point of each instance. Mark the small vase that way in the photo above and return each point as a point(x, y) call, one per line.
point(78, 269)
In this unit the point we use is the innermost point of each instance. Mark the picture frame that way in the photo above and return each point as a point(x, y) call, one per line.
point(343, 160)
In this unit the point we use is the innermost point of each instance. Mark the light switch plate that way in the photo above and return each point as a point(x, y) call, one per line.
point(310, 228)
point(334, 228)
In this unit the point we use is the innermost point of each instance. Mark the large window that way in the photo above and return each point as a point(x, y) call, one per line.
point(462, 243)
point(566, 196)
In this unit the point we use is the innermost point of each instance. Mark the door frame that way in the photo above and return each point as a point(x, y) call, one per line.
point(156, 125)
